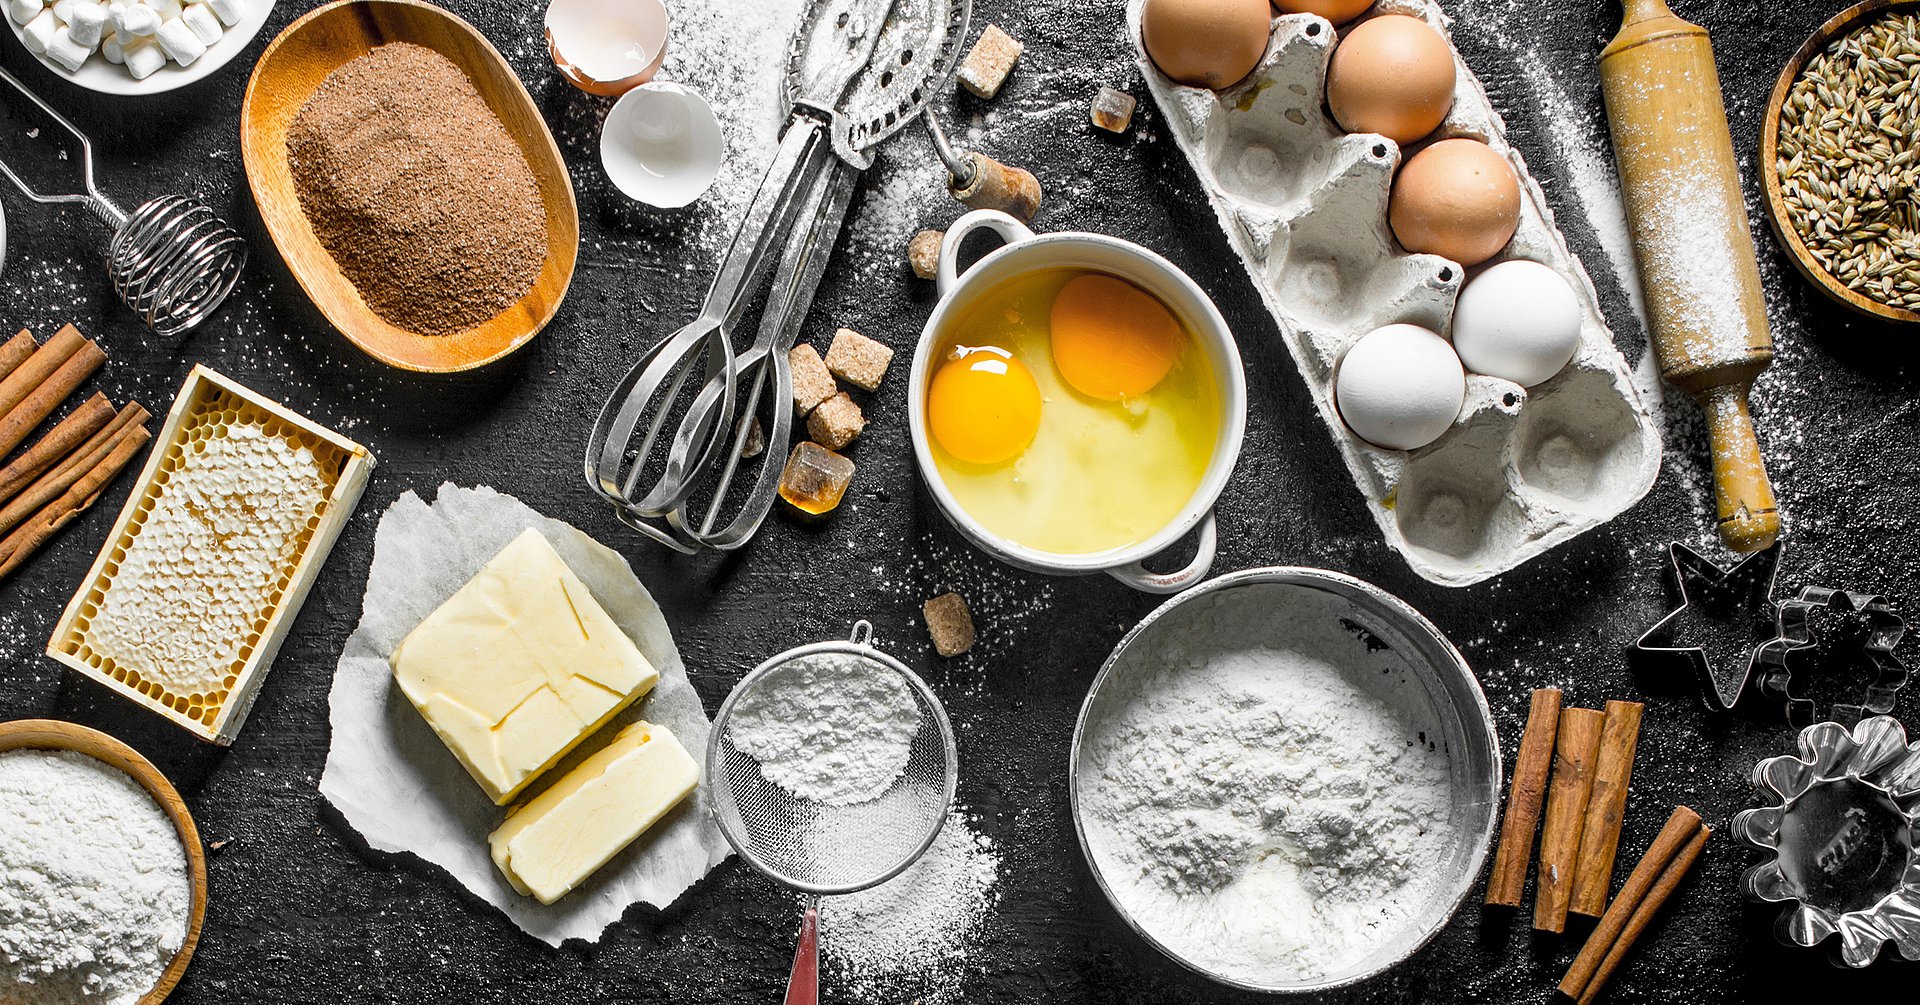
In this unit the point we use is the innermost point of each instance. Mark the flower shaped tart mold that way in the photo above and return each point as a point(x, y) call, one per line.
point(1304, 205)
point(1841, 843)
point(1863, 639)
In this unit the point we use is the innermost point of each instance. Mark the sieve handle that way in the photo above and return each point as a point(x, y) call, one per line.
point(803, 986)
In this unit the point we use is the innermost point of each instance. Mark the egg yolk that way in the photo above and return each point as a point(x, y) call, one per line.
point(1112, 339)
point(983, 406)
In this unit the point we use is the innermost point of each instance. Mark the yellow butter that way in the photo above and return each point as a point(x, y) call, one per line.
point(519, 666)
point(563, 835)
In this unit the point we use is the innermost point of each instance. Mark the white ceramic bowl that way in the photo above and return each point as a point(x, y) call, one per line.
point(661, 144)
point(1026, 251)
point(96, 74)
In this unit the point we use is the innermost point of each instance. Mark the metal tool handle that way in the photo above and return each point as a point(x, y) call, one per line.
point(102, 207)
point(657, 380)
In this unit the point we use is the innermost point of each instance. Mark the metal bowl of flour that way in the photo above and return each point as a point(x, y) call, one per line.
point(1412, 683)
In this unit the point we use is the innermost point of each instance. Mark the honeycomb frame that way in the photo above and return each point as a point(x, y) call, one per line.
point(208, 402)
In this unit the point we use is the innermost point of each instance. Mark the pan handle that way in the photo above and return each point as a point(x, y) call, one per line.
point(1010, 230)
point(1135, 574)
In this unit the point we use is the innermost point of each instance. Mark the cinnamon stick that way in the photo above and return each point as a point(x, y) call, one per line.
point(59, 442)
point(41, 399)
point(1600, 834)
point(35, 370)
point(18, 546)
point(15, 351)
point(1575, 748)
point(1530, 767)
point(63, 475)
point(1652, 883)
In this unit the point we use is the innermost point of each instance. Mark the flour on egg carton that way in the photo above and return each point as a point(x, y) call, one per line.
point(212, 556)
point(1305, 206)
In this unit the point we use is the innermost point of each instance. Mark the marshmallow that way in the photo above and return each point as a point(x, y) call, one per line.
point(87, 23)
point(205, 25)
point(23, 11)
point(38, 33)
point(179, 41)
point(136, 20)
point(144, 57)
point(65, 51)
point(63, 9)
point(228, 10)
point(110, 48)
point(167, 9)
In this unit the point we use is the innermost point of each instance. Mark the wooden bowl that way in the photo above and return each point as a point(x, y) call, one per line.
point(52, 734)
point(1839, 25)
point(288, 73)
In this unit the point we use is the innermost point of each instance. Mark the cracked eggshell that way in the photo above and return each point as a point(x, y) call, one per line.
point(607, 47)
point(1304, 204)
point(661, 145)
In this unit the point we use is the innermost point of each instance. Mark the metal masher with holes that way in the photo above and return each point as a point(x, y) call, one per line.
point(821, 849)
point(668, 444)
point(171, 260)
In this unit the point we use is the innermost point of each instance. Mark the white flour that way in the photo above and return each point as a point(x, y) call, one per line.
point(93, 882)
point(919, 926)
point(1265, 812)
point(830, 728)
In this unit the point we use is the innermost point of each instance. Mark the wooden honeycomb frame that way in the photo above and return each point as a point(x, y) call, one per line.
point(207, 401)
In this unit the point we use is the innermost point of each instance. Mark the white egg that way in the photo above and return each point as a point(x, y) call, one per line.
point(1518, 321)
point(1400, 387)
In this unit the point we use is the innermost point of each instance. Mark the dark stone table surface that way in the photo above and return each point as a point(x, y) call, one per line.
point(302, 912)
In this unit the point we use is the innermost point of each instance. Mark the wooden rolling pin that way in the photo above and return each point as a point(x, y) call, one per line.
point(1690, 237)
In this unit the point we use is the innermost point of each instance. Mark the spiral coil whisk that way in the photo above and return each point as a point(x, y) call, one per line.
point(172, 261)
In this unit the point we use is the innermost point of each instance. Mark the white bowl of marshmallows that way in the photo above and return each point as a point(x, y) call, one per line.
point(135, 46)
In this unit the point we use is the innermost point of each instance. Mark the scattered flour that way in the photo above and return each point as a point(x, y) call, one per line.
point(1262, 811)
point(93, 882)
point(920, 926)
point(830, 728)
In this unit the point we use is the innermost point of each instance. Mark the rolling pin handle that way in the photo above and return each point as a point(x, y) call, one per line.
point(1743, 497)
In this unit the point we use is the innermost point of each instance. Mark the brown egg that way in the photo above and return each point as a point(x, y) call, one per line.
point(1391, 75)
point(1458, 199)
point(1205, 43)
point(1337, 11)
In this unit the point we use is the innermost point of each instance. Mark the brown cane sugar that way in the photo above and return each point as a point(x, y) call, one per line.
point(417, 190)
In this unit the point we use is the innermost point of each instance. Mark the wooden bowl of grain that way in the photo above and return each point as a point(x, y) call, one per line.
point(53, 734)
point(1825, 226)
point(291, 70)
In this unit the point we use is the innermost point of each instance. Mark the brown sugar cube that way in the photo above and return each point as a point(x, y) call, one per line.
point(923, 253)
point(950, 624)
point(812, 383)
point(988, 62)
point(1112, 110)
point(836, 422)
point(857, 359)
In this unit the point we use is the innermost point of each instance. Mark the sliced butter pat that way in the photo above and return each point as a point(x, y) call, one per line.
point(560, 837)
point(519, 666)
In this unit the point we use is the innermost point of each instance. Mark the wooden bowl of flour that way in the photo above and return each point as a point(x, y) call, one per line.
point(52, 734)
point(288, 73)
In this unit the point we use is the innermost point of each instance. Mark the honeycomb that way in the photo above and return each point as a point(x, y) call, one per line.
point(184, 597)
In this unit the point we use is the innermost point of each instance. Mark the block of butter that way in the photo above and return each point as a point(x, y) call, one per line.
point(561, 836)
point(519, 666)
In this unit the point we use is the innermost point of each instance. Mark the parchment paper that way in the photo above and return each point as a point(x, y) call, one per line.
point(400, 787)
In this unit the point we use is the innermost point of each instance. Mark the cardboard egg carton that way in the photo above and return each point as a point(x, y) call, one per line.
point(1304, 204)
point(176, 596)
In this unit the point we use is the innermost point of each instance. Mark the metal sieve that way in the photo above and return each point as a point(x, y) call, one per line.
point(821, 849)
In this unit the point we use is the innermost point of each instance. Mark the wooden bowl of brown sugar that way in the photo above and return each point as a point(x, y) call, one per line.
point(433, 235)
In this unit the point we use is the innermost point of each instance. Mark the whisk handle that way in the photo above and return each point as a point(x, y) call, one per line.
point(803, 986)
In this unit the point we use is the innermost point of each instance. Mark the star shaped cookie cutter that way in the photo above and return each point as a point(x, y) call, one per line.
point(1841, 841)
point(1872, 652)
point(1717, 601)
